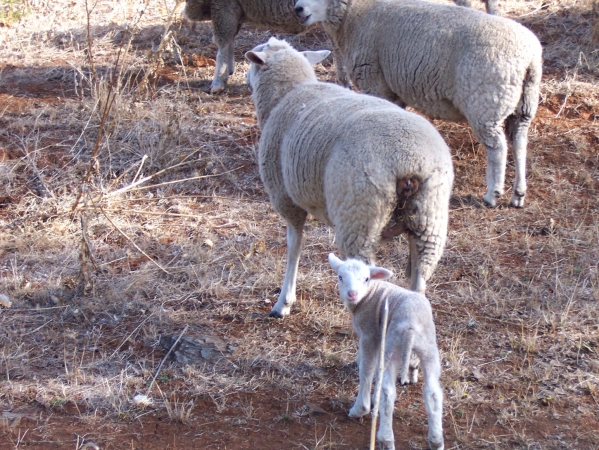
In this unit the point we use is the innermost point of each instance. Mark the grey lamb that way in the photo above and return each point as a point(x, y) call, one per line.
point(446, 62)
point(410, 329)
point(227, 17)
point(358, 163)
point(491, 5)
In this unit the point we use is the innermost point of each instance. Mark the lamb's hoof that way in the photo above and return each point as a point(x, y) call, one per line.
point(279, 314)
point(387, 445)
point(517, 201)
point(436, 445)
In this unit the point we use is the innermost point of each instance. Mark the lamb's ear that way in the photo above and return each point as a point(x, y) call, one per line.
point(380, 273)
point(316, 57)
point(256, 57)
point(335, 262)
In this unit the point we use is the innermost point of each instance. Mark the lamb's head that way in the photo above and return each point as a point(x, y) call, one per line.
point(354, 278)
point(310, 12)
point(276, 67)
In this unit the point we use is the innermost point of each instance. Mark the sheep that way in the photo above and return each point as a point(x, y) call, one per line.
point(227, 17)
point(410, 328)
point(491, 5)
point(449, 63)
point(355, 162)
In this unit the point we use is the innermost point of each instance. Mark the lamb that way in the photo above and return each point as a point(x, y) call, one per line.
point(410, 328)
point(227, 17)
point(355, 162)
point(475, 67)
point(491, 5)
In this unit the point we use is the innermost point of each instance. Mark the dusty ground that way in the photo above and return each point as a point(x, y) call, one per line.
point(99, 267)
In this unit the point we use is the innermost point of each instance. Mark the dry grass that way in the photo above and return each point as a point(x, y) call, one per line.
point(198, 244)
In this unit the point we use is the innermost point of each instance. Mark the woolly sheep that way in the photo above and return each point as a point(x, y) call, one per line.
point(491, 5)
point(476, 67)
point(410, 329)
point(227, 17)
point(358, 163)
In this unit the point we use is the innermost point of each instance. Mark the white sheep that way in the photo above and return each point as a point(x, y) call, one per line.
point(358, 163)
point(446, 62)
point(227, 17)
point(410, 328)
point(491, 5)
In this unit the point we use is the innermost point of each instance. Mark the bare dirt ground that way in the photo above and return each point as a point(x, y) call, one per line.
point(98, 264)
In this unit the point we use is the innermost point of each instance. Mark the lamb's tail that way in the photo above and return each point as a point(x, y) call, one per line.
point(406, 355)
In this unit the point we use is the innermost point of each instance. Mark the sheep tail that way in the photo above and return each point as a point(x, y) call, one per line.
point(406, 355)
point(529, 101)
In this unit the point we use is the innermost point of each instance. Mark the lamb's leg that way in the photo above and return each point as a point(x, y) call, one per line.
point(433, 396)
point(294, 248)
point(384, 435)
point(367, 360)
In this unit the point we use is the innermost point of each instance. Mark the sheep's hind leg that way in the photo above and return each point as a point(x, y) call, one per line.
point(518, 133)
point(222, 69)
point(496, 145)
point(294, 247)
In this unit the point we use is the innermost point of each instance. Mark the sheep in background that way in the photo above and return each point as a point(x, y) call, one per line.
point(227, 17)
point(446, 62)
point(355, 162)
point(491, 5)
point(410, 329)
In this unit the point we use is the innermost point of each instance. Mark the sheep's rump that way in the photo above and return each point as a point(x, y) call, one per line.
point(335, 153)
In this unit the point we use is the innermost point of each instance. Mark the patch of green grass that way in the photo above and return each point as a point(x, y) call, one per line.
point(12, 11)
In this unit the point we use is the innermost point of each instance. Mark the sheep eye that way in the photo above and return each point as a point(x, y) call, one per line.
point(340, 278)
point(367, 280)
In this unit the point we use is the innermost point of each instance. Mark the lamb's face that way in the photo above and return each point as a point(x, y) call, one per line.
point(354, 278)
point(310, 12)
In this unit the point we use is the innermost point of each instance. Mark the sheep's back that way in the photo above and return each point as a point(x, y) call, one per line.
point(440, 56)
point(331, 141)
point(272, 14)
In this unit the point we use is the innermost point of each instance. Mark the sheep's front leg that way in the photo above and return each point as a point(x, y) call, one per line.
point(294, 248)
point(367, 361)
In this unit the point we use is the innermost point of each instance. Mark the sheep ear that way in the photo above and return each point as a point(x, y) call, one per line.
point(380, 273)
point(335, 262)
point(256, 57)
point(316, 57)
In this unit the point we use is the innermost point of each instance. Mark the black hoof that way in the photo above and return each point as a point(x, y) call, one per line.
point(275, 314)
